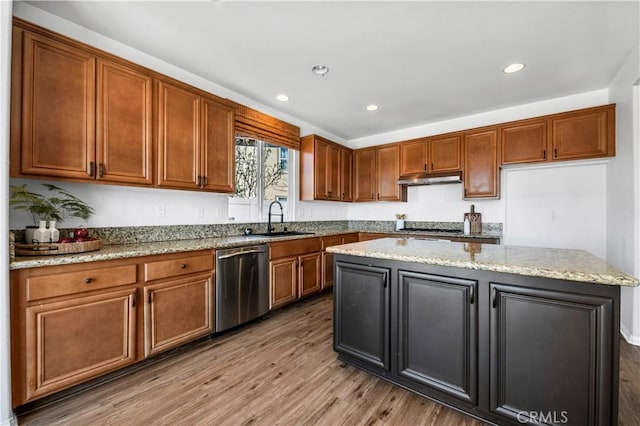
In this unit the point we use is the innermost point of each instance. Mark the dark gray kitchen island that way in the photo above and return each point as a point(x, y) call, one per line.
point(511, 335)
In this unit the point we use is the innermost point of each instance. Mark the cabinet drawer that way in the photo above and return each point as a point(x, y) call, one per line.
point(294, 247)
point(334, 240)
point(77, 282)
point(176, 267)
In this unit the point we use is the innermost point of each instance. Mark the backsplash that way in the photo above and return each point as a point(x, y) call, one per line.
point(390, 225)
point(148, 234)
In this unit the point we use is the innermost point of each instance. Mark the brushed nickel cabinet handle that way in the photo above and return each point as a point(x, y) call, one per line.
point(204, 181)
point(101, 169)
point(199, 182)
point(88, 280)
point(91, 168)
point(133, 300)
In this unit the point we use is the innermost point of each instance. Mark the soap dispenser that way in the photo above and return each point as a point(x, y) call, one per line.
point(467, 226)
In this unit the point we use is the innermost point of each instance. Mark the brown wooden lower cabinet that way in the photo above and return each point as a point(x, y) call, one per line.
point(284, 282)
point(327, 258)
point(74, 340)
point(176, 312)
point(309, 274)
point(296, 270)
point(73, 323)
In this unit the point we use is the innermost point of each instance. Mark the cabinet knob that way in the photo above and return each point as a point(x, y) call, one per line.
point(88, 280)
point(101, 170)
point(183, 266)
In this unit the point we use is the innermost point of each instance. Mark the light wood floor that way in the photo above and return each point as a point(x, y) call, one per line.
point(279, 371)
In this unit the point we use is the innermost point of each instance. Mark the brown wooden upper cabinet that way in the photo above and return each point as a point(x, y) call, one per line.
point(481, 164)
point(377, 171)
point(364, 165)
point(325, 170)
point(388, 173)
point(81, 117)
point(436, 154)
point(195, 140)
point(575, 135)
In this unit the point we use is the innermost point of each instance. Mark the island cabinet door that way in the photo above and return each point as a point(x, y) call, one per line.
point(361, 318)
point(552, 357)
point(437, 333)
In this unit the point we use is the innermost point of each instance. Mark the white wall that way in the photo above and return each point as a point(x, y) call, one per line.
point(623, 241)
point(557, 205)
point(6, 414)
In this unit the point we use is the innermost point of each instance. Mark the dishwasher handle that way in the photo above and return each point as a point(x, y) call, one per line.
point(226, 254)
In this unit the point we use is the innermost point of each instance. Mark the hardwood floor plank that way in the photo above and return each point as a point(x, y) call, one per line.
point(281, 370)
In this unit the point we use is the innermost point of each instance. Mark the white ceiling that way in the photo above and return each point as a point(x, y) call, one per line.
point(421, 62)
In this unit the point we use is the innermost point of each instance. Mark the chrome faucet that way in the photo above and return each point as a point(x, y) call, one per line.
point(269, 227)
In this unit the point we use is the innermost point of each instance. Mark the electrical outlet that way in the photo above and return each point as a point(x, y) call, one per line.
point(161, 211)
point(199, 211)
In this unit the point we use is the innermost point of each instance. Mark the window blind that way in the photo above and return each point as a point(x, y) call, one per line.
point(255, 124)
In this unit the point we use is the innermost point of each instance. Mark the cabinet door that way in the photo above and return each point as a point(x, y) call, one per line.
point(309, 274)
point(583, 134)
point(283, 282)
point(437, 333)
point(364, 161)
point(320, 169)
point(481, 172)
point(524, 142)
point(361, 322)
point(445, 154)
point(71, 341)
point(58, 110)
point(218, 144)
point(176, 312)
point(388, 172)
point(123, 130)
point(327, 270)
point(178, 137)
point(334, 173)
point(551, 352)
point(413, 156)
point(346, 174)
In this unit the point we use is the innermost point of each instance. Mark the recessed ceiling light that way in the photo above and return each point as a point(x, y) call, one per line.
point(513, 68)
point(320, 69)
point(372, 107)
point(282, 97)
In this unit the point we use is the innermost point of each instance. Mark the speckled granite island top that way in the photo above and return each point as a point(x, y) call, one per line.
point(564, 264)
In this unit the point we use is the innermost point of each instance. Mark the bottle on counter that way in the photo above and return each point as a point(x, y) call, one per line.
point(466, 226)
point(55, 234)
point(42, 234)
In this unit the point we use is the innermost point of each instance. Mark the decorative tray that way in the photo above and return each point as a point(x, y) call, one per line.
point(49, 249)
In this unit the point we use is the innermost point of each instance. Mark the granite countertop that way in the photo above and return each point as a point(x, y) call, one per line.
point(564, 264)
point(122, 251)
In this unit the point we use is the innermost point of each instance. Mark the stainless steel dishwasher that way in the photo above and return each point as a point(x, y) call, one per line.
point(242, 285)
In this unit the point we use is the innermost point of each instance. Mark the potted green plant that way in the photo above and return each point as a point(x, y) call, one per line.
point(60, 205)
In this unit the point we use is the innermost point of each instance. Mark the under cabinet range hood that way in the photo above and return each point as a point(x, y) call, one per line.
point(430, 178)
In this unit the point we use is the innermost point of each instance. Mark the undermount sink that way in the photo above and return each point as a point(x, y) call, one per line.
point(281, 233)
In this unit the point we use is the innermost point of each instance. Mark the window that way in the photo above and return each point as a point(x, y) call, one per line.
point(262, 176)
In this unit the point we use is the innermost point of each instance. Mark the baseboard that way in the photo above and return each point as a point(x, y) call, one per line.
point(11, 421)
point(634, 340)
